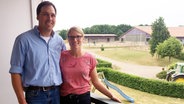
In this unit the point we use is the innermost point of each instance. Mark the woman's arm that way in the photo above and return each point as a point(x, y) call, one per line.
point(101, 87)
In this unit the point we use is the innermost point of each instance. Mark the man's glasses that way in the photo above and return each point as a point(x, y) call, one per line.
point(73, 37)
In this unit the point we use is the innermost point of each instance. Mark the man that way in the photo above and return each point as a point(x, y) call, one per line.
point(35, 60)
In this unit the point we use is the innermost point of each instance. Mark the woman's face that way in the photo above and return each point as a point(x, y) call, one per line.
point(75, 40)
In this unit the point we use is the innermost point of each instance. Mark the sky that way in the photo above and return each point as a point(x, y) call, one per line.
point(86, 13)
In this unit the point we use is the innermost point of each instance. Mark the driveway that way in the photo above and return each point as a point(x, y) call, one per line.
point(134, 69)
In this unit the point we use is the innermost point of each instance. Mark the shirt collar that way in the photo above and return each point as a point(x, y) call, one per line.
point(38, 32)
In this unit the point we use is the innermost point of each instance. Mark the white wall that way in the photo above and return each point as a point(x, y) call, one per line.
point(16, 17)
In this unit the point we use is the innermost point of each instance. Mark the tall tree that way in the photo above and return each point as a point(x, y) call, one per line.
point(159, 34)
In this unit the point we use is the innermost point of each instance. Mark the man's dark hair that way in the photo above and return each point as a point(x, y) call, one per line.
point(42, 4)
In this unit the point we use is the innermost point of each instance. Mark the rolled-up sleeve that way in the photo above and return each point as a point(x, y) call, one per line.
point(18, 56)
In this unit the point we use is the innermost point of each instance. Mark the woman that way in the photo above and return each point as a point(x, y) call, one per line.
point(78, 69)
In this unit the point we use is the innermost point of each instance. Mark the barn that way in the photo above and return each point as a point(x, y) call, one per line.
point(95, 38)
point(142, 34)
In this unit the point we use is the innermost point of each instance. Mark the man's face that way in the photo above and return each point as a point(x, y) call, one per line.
point(47, 18)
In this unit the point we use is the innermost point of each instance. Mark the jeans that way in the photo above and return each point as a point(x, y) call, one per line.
point(76, 99)
point(51, 96)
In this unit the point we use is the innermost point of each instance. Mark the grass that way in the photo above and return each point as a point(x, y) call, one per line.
point(137, 55)
point(143, 97)
point(132, 55)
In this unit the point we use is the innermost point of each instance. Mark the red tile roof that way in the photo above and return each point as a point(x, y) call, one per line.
point(174, 31)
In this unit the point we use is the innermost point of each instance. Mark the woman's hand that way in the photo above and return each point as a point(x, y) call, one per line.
point(116, 99)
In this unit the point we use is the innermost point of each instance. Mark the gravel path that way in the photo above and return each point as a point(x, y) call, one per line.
point(134, 69)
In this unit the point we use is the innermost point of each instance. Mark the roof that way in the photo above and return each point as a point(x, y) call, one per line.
point(113, 35)
point(174, 31)
point(146, 29)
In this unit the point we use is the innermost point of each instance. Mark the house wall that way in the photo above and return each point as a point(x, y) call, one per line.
point(16, 17)
point(91, 39)
point(135, 35)
point(181, 39)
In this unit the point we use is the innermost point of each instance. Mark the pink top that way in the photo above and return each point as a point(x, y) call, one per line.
point(76, 73)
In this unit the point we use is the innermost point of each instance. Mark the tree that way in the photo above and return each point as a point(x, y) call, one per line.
point(170, 47)
point(102, 29)
point(122, 28)
point(159, 34)
point(107, 29)
point(63, 34)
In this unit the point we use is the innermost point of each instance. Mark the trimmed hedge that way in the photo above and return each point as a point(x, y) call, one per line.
point(102, 63)
point(152, 86)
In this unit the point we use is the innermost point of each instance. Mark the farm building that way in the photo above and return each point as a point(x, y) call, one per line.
point(93, 38)
point(142, 34)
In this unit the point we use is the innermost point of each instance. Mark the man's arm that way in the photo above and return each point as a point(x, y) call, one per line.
point(17, 86)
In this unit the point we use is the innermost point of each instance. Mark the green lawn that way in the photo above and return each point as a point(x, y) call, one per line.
point(143, 97)
point(132, 55)
point(138, 55)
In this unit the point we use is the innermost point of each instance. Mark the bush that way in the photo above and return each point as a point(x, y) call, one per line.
point(171, 66)
point(180, 56)
point(162, 74)
point(152, 86)
point(102, 48)
point(102, 63)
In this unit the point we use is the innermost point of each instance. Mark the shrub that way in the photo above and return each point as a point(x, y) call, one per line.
point(162, 74)
point(180, 56)
point(102, 63)
point(102, 48)
point(152, 86)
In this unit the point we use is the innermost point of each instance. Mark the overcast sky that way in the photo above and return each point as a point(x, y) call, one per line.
point(85, 13)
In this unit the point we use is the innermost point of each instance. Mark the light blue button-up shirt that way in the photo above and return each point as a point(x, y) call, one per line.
point(36, 60)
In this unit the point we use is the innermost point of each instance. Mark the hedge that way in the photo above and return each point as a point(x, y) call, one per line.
point(102, 63)
point(153, 86)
